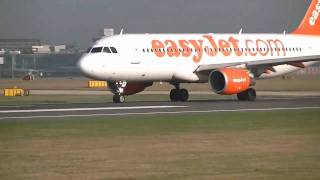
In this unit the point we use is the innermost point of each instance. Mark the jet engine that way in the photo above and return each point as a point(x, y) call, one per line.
point(228, 81)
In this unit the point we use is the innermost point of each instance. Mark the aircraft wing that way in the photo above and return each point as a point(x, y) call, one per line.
point(294, 61)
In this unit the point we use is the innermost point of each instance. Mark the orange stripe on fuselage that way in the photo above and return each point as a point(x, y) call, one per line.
point(212, 47)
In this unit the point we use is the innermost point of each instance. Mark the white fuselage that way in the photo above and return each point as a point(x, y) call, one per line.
point(164, 57)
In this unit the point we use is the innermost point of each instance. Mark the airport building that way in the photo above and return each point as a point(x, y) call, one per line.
point(106, 32)
point(19, 57)
point(48, 49)
point(23, 45)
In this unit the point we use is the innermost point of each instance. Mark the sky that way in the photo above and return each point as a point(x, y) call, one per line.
point(78, 21)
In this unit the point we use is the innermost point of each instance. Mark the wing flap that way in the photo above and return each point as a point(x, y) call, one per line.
point(294, 61)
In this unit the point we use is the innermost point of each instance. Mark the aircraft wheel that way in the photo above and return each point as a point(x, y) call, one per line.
point(118, 98)
point(174, 95)
point(252, 95)
point(243, 96)
point(248, 95)
point(184, 95)
point(179, 95)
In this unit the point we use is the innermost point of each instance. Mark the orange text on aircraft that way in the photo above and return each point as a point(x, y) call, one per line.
point(211, 47)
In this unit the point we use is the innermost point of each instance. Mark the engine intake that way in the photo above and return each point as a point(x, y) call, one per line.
point(230, 81)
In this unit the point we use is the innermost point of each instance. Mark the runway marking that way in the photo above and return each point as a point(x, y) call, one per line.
point(286, 98)
point(16, 106)
point(87, 109)
point(155, 113)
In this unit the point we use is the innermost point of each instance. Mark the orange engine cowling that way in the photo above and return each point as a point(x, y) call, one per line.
point(131, 87)
point(229, 81)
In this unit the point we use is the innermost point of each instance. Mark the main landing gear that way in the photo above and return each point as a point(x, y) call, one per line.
point(248, 95)
point(178, 94)
point(118, 97)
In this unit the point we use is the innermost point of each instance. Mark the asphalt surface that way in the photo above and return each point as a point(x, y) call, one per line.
point(59, 111)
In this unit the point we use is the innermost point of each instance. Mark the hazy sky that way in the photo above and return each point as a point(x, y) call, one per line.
point(78, 21)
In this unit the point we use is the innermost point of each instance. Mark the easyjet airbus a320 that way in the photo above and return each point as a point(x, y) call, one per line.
point(229, 62)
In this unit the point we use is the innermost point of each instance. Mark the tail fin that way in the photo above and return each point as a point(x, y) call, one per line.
point(310, 25)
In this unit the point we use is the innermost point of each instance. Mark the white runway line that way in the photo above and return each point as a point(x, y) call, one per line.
point(157, 113)
point(87, 109)
point(16, 106)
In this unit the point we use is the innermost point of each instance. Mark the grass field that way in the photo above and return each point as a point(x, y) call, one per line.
point(256, 145)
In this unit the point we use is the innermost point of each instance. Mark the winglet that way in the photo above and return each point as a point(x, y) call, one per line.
point(310, 25)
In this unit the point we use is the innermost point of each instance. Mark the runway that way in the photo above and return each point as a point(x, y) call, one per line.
point(263, 103)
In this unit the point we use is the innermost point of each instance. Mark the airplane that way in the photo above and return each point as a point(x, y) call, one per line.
point(231, 63)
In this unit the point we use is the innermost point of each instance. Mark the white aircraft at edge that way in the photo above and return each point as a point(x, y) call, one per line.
point(229, 62)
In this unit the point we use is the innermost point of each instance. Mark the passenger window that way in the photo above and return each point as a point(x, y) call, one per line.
point(114, 50)
point(96, 50)
point(106, 50)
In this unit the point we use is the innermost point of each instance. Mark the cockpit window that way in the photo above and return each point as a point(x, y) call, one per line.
point(96, 50)
point(106, 50)
point(114, 50)
point(88, 50)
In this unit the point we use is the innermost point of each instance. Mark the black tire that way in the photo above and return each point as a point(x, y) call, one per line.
point(243, 96)
point(118, 98)
point(174, 95)
point(248, 95)
point(252, 95)
point(184, 95)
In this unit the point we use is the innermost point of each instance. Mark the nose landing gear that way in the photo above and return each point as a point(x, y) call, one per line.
point(118, 97)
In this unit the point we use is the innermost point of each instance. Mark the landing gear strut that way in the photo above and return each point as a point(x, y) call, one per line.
point(178, 94)
point(118, 97)
point(248, 95)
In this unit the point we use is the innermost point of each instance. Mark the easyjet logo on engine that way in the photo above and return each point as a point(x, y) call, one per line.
point(315, 14)
point(239, 80)
point(209, 46)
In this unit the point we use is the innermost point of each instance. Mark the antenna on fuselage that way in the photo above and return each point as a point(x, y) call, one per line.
point(121, 32)
point(240, 32)
point(284, 32)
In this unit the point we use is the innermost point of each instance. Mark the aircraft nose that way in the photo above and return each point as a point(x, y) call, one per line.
point(84, 66)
